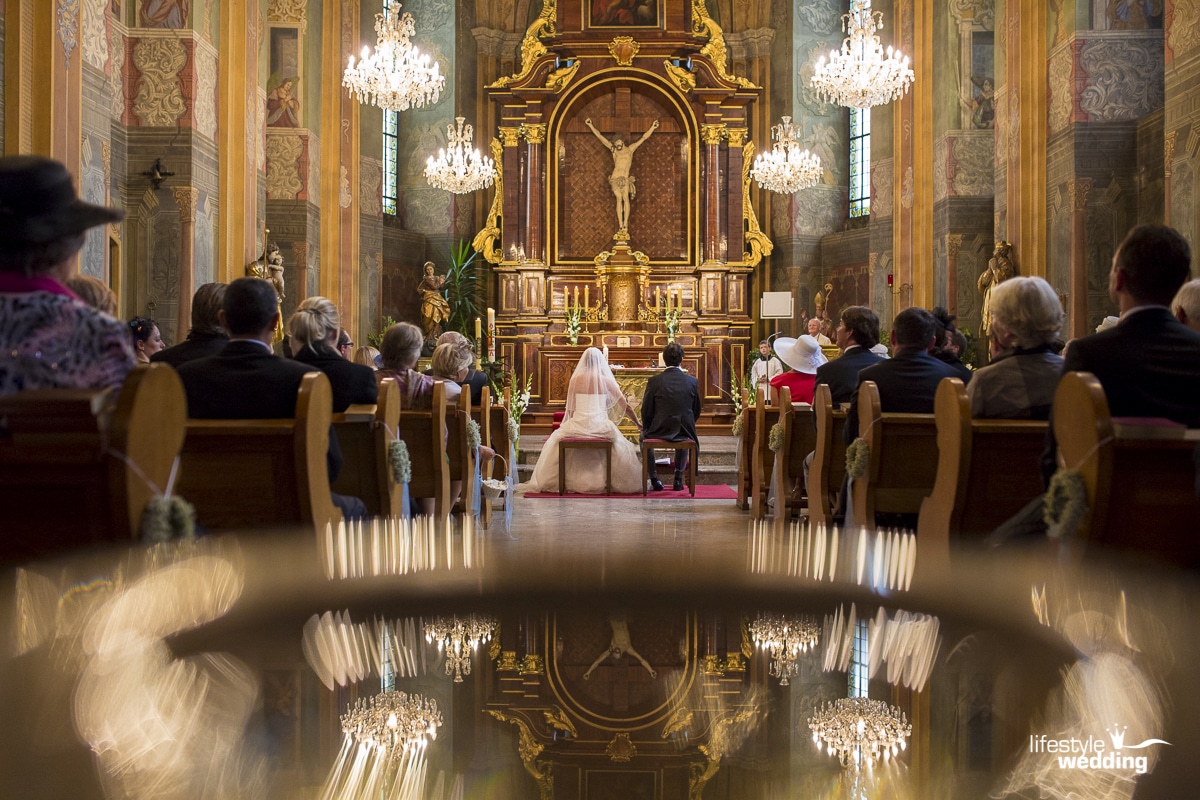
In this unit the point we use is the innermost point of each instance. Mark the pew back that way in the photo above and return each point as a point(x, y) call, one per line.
point(828, 469)
point(75, 470)
point(762, 460)
point(461, 456)
point(799, 439)
point(424, 431)
point(364, 433)
point(259, 473)
point(745, 453)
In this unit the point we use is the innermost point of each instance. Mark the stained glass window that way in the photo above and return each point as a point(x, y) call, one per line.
point(391, 148)
point(860, 162)
point(858, 661)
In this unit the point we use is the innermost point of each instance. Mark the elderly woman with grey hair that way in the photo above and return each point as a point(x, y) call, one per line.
point(1186, 305)
point(1020, 381)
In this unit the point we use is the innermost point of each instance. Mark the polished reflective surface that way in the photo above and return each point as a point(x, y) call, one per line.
point(622, 665)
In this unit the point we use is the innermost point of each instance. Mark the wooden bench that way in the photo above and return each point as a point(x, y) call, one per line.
point(568, 443)
point(827, 473)
point(693, 455)
point(987, 471)
point(1140, 477)
point(424, 431)
point(902, 464)
point(63, 481)
point(461, 457)
point(799, 439)
point(364, 434)
point(762, 460)
point(745, 453)
point(260, 473)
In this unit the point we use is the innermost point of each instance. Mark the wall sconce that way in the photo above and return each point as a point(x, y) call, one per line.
point(157, 175)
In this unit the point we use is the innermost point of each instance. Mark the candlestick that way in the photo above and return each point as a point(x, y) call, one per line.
point(478, 335)
point(587, 303)
point(668, 299)
point(576, 298)
point(491, 330)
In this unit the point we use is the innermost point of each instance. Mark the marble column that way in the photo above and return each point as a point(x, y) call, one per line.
point(710, 138)
point(735, 226)
point(535, 146)
point(510, 166)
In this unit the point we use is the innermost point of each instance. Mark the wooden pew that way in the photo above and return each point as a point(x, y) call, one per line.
point(828, 470)
point(259, 473)
point(902, 464)
point(987, 470)
point(364, 434)
point(761, 458)
point(63, 481)
point(1140, 484)
point(462, 457)
point(799, 439)
point(498, 417)
point(482, 414)
point(745, 453)
point(424, 431)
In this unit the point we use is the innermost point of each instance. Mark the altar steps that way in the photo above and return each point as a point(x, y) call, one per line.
point(717, 458)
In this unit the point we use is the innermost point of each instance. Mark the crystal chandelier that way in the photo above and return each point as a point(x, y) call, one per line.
point(785, 638)
point(396, 76)
point(785, 168)
point(393, 722)
point(459, 638)
point(860, 731)
point(462, 168)
point(861, 75)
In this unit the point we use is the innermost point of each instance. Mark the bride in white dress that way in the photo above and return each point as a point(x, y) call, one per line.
point(594, 405)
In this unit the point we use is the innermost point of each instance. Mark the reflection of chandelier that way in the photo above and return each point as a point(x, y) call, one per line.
point(860, 75)
point(396, 76)
point(857, 729)
point(461, 169)
point(393, 722)
point(785, 168)
point(786, 638)
point(459, 638)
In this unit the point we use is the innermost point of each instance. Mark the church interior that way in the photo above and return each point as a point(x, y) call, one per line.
point(606, 648)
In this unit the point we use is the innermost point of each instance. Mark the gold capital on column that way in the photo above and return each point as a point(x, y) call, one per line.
point(737, 136)
point(953, 243)
point(1079, 189)
point(712, 134)
point(510, 137)
point(1168, 152)
point(534, 132)
point(186, 198)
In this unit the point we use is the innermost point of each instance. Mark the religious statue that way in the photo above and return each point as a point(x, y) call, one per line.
point(623, 183)
point(620, 644)
point(434, 308)
point(269, 268)
point(999, 269)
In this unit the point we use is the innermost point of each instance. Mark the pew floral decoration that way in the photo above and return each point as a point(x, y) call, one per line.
point(739, 424)
point(858, 456)
point(775, 439)
point(399, 461)
point(1065, 503)
point(166, 518)
point(474, 437)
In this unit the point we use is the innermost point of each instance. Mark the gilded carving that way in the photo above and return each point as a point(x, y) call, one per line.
point(1183, 34)
point(95, 37)
point(1061, 88)
point(529, 748)
point(621, 749)
point(558, 79)
point(953, 243)
point(186, 198)
point(510, 137)
point(507, 662)
point(624, 49)
point(534, 132)
point(486, 241)
point(204, 107)
point(1168, 152)
point(557, 718)
point(679, 722)
point(283, 177)
point(759, 243)
point(712, 134)
point(682, 79)
point(714, 49)
point(737, 137)
point(68, 27)
point(531, 46)
point(1125, 78)
point(289, 11)
point(159, 100)
point(720, 742)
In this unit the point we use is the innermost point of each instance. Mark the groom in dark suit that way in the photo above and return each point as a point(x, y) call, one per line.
point(669, 411)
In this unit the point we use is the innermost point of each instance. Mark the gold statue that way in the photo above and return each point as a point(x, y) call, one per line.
point(434, 308)
point(269, 267)
point(999, 269)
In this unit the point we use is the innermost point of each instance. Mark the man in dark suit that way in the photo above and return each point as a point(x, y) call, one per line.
point(907, 381)
point(669, 411)
point(857, 332)
point(246, 380)
point(207, 337)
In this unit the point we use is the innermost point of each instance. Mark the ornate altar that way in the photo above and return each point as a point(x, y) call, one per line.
point(637, 113)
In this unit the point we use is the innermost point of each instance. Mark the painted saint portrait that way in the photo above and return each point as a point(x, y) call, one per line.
point(624, 13)
point(283, 106)
point(1134, 15)
point(165, 13)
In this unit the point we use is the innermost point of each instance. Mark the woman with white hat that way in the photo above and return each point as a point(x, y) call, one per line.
point(802, 357)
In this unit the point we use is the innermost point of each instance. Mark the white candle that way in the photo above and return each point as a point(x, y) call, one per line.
point(491, 329)
point(477, 329)
point(587, 302)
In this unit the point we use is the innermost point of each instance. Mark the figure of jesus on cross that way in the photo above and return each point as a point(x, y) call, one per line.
point(621, 181)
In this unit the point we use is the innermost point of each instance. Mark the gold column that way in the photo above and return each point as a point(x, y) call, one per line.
point(331, 134)
point(1168, 156)
point(236, 161)
point(1079, 189)
point(340, 279)
point(1026, 67)
point(43, 82)
point(912, 231)
point(186, 197)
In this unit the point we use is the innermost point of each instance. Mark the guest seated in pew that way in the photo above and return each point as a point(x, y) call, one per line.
point(950, 343)
point(451, 361)
point(1186, 305)
point(908, 380)
point(857, 333)
point(314, 331)
point(802, 357)
point(206, 336)
point(473, 378)
point(147, 339)
point(246, 380)
point(367, 356)
point(50, 338)
point(1019, 382)
point(94, 292)
point(399, 351)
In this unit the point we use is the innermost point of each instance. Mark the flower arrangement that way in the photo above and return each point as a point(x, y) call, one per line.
point(1065, 504)
point(775, 439)
point(672, 318)
point(858, 457)
point(574, 318)
point(516, 408)
point(399, 461)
